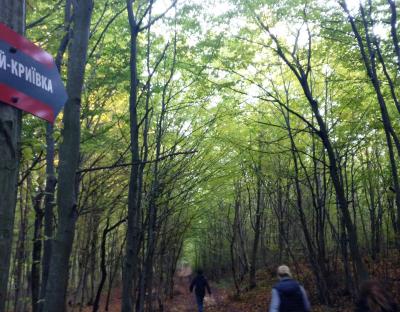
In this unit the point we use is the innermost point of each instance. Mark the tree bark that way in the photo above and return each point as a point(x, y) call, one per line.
point(133, 224)
point(103, 264)
point(56, 288)
point(12, 13)
point(20, 250)
point(36, 251)
point(51, 180)
point(233, 258)
point(257, 227)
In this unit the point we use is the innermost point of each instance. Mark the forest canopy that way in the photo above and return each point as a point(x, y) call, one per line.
point(231, 136)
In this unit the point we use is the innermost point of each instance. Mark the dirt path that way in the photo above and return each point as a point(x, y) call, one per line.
point(184, 301)
point(221, 300)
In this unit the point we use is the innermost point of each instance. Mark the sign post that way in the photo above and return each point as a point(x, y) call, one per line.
point(29, 79)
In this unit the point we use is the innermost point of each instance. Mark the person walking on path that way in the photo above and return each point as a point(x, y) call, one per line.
point(373, 298)
point(200, 283)
point(288, 295)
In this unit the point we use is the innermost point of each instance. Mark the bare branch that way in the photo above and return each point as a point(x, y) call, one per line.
point(116, 165)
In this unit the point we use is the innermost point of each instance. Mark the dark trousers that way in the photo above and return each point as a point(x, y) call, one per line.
point(200, 300)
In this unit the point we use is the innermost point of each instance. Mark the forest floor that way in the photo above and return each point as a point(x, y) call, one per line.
point(258, 299)
point(184, 301)
point(224, 300)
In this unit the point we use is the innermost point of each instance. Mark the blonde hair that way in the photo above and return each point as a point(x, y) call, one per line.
point(284, 270)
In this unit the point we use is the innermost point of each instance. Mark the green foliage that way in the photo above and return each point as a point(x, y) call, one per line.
point(214, 91)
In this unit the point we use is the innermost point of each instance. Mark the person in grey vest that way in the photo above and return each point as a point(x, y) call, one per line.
point(288, 295)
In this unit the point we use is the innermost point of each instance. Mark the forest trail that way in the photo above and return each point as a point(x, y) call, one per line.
point(184, 301)
point(221, 300)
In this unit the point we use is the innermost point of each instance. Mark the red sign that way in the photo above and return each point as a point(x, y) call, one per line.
point(29, 79)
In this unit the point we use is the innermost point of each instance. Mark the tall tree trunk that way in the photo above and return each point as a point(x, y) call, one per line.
point(51, 180)
point(153, 208)
point(56, 288)
point(144, 156)
point(133, 224)
point(12, 13)
point(361, 271)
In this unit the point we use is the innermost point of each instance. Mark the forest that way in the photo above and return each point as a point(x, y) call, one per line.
point(228, 135)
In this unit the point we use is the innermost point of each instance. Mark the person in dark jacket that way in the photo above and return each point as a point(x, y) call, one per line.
point(288, 295)
point(373, 298)
point(200, 284)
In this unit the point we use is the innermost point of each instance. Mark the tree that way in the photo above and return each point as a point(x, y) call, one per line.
point(136, 26)
point(57, 284)
point(12, 14)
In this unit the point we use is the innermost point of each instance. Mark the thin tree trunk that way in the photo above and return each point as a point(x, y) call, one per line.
point(36, 251)
point(316, 266)
point(133, 223)
point(153, 209)
point(257, 227)
point(48, 210)
point(103, 266)
point(93, 256)
point(51, 180)
point(20, 251)
point(233, 262)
